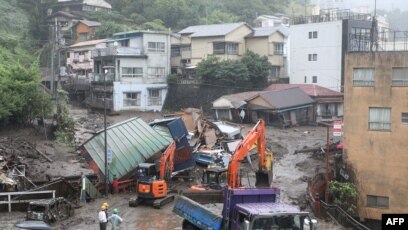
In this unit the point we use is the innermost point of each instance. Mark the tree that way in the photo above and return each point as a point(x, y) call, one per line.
point(218, 17)
point(344, 195)
point(107, 29)
point(258, 69)
point(208, 69)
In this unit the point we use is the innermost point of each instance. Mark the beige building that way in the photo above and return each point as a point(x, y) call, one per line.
point(226, 41)
point(376, 130)
point(270, 42)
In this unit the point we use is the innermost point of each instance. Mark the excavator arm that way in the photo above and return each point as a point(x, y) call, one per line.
point(166, 162)
point(264, 173)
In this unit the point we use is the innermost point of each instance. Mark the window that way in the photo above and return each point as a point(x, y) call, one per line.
point(68, 53)
point(124, 43)
point(156, 47)
point(225, 48)
point(275, 71)
point(314, 79)
point(404, 118)
point(399, 77)
point(83, 37)
point(154, 97)
point(379, 119)
point(232, 48)
point(132, 72)
point(378, 201)
point(131, 99)
point(218, 48)
point(185, 48)
point(313, 35)
point(312, 57)
point(155, 72)
point(363, 77)
point(305, 79)
point(175, 51)
point(223, 114)
point(278, 48)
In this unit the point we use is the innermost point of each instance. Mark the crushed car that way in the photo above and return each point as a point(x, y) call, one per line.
point(50, 210)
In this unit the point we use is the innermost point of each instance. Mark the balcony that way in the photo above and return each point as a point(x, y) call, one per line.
point(118, 51)
point(100, 78)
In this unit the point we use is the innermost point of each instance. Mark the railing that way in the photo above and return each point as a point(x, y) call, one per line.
point(110, 77)
point(10, 194)
point(113, 51)
point(381, 41)
point(341, 216)
point(329, 16)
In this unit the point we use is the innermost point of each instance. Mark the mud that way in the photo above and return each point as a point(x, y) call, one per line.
point(291, 172)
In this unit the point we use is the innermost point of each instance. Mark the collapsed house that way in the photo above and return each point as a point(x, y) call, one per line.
point(279, 108)
point(130, 143)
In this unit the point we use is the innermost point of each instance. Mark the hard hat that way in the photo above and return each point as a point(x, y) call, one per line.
point(106, 204)
point(103, 207)
point(115, 211)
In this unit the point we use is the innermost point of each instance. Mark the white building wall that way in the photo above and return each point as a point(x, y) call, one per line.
point(328, 48)
point(142, 85)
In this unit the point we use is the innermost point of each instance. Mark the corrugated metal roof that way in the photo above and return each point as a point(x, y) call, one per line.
point(132, 142)
point(234, 100)
point(211, 30)
point(286, 98)
point(90, 23)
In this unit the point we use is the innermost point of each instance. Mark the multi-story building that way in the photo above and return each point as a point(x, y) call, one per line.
point(318, 44)
point(227, 41)
point(270, 42)
point(81, 5)
point(134, 66)
point(84, 30)
point(79, 58)
point(376, 130)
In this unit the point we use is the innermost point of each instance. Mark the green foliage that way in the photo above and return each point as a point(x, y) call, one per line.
point(107, 29)
point(65, 132)
point(156, 25)
point(258, 68)
point(172, 79)
point(219, 17)
point(345, 196)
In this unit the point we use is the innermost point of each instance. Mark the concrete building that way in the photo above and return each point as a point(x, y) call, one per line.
point(318, 44)
point(376, 130)
point(135, 66)
point(81, 5)
point(272, 20)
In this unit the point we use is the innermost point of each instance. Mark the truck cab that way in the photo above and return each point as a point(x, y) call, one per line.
point(260, 216)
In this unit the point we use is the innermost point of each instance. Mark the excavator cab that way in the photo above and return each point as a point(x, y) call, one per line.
point(215, 178)
point(148, 186)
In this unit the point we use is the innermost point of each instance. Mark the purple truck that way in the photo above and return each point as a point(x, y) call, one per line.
point(244, 209)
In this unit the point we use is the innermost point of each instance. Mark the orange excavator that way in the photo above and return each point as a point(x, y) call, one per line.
point(151, 187)
point(213, 178)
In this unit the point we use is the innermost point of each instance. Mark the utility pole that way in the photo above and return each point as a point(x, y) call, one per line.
point(54, 49)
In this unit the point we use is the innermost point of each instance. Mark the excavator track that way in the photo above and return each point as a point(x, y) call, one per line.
point(158, 203)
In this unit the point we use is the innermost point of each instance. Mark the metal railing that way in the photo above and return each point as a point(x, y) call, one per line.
point(10, 201)
point(382, 41)
point(113, 51)
point(330, 15)
point(341, 216)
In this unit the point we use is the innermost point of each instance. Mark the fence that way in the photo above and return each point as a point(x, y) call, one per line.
point(341, 216)
point(330, 15)
point(10, 194)
point(387, 40)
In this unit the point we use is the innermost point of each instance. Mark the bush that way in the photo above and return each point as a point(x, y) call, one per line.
point(345, 196)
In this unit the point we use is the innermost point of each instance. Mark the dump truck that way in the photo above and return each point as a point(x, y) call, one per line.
point(244, 209)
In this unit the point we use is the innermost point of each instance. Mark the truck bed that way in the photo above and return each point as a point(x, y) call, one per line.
point(197, 214)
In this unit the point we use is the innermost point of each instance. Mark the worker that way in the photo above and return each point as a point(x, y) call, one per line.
point(103, 221)
point(115, 219)
point(107, 208)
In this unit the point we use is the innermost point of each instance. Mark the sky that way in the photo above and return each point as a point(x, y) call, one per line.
point(381, 4)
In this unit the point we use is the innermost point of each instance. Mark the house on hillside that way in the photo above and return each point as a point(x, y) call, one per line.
point(81, 5)
point(80, 66)
point(272, 20)
point(328, 104)
point(195, 43)
point(65, 22)
point(134, 66)
point(84, 30)
point(233, 107)
point(272, 43)
point(283, 108)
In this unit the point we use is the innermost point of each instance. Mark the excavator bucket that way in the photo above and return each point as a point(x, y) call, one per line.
point(263, 179)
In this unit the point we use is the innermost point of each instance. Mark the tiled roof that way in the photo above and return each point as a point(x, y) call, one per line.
point(286, 98)
point(310, 89)
point(88, 43)
point(234, 100)
point(211, 30)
